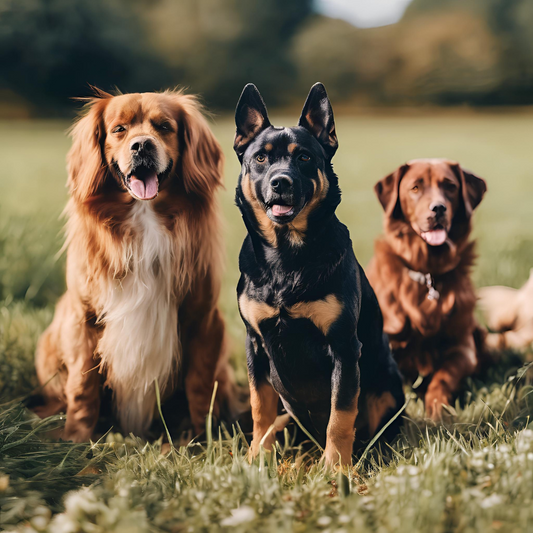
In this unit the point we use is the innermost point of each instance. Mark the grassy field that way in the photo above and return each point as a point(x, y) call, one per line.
point(473, 473)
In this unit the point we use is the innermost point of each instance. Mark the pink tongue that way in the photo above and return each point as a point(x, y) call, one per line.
point(434, 237)
point(145, 189)
point(280, 210)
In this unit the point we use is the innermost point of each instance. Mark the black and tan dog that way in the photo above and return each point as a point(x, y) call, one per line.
point(314, 328)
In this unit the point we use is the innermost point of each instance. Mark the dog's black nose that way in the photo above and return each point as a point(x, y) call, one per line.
point(438, 208)
point(281, 184)
point(142, 145)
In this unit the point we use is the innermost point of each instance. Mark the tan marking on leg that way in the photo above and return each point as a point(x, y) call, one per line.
point(292, 147)
point(340, 435)
point(266, 225)
point(377, 406)
point(264, 401)
point(323, 313)
point(298, 226)
point(255, 312)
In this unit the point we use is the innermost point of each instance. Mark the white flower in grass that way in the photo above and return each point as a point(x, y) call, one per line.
point(413, 470)
point(491, 501)
point(39, 522)
point(324, 521)
point(241, 515)
point(63, 524)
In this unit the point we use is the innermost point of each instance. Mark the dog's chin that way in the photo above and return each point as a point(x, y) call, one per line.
point(281, 213)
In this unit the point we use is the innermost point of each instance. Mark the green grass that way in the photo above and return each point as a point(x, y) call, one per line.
point(473, 473)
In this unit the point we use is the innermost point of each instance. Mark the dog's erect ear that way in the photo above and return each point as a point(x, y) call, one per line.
point(388, 192)
point(201, 159)
point(251, 118)
point(317, 117)
point(472, 189)
point(86, 165)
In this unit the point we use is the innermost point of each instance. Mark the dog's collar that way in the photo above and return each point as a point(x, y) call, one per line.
point(427, 280)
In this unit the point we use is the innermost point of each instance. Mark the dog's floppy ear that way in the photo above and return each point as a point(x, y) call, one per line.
point(472, 189)
point(85, 161)
point(201, 159)
point(388, 192)
point(317, 117)
point(251, 118)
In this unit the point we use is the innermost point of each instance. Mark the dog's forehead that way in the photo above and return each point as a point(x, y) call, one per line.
point(431, 168)
point(285, 139)
point(136, 107)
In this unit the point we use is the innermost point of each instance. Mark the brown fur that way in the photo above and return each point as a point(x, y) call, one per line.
point(377, 407)
point(264, 401)
point(341, 435)
point(434, 338)
point(100, 228)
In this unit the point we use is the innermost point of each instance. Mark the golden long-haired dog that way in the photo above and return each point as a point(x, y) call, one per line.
point(421, 274)
point(144, 262)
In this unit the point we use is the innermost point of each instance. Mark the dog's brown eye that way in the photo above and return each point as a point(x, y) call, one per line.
point(119, 129)
point(261, 158)
point(415, 188)
point(165, 126)
point(304, 157)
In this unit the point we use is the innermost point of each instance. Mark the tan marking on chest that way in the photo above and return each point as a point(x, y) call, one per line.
point(323, 313)
point(255, 312)
point(377, 407)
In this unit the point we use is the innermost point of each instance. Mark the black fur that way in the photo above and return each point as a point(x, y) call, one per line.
point(309, 369)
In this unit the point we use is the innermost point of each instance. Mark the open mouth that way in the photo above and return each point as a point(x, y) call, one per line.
point(143, 183)
point(282, 210)
point(280, 213)
point(436, 236)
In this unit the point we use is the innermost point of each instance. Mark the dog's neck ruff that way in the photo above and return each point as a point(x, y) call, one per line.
point(427, 280)
point(140, 344)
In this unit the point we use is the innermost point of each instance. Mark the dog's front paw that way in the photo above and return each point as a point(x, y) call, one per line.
point(335, 456)
point(436, 397)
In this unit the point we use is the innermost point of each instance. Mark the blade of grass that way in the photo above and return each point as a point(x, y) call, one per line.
point(158, 399)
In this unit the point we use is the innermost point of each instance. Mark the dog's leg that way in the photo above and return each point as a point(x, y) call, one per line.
point(459, 362)
point(82, 387)
point(50, 372)
point(340, 433)
point(264, 400)
point(205, 348)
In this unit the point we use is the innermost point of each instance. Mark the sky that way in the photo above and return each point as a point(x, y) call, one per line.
point(363, 13)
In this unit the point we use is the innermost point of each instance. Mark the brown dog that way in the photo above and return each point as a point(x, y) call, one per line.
point(421, 273)
point(143, 265)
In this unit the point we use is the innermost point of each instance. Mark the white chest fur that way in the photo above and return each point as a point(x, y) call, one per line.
point(140, 341)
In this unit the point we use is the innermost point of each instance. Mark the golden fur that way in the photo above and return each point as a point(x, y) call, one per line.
point(509, 314)
point(143, 276)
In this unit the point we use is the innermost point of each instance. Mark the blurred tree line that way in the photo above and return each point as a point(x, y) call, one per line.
point(442, 52)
